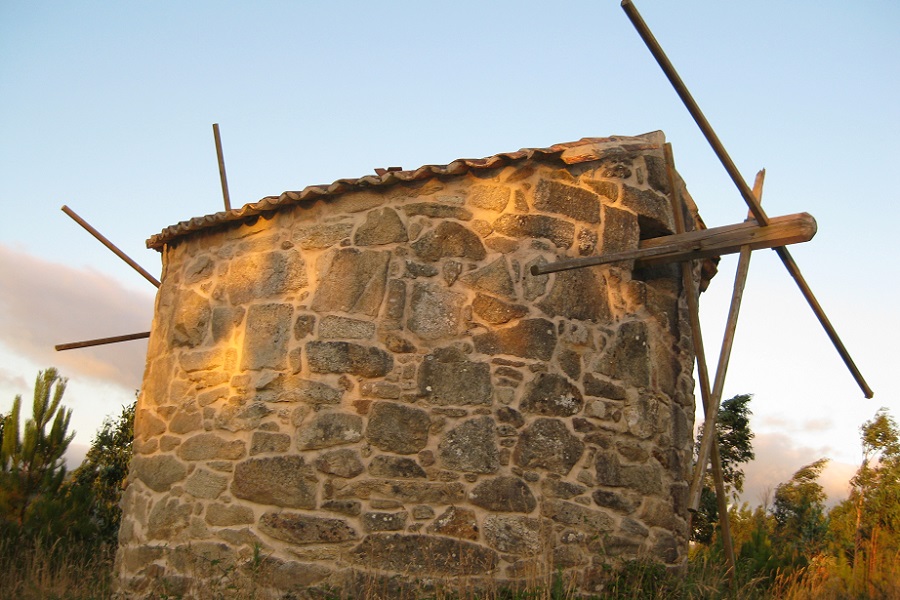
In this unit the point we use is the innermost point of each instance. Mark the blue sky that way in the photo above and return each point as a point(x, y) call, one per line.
point(107, 107)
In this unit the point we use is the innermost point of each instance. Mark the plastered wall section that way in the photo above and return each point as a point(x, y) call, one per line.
point(376, 382)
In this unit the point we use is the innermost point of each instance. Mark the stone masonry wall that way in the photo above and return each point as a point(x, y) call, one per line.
point(375, 383)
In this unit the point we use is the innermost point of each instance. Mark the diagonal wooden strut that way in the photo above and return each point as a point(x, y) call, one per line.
point(745, 191)
point(102, 239)
point(691, 294)
point(711, 412)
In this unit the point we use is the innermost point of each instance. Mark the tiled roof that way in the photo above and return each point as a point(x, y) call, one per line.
point(586, 149)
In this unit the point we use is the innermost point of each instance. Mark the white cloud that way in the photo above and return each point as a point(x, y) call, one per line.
point(778, 457)
point(43, 304)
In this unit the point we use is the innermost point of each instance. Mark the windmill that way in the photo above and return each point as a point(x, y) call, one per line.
point(762, 232)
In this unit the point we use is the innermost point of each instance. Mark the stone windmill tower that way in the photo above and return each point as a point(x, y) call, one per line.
point(367, 377)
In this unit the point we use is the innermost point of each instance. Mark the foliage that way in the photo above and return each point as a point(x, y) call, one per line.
point(799, 512)
point(866, 527)
point(735, 449)
point(104, 470)
point(32, 469)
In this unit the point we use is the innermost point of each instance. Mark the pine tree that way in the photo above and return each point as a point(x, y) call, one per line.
point(31, 464)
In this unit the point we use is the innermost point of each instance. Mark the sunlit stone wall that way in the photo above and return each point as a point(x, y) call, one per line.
point(371, 383)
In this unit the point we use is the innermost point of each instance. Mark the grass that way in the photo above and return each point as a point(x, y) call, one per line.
point(74, 572)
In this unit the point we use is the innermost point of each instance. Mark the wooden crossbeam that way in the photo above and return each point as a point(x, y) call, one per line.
point(703, 243)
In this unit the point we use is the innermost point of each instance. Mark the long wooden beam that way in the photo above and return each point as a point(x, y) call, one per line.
point(115, 250)
point(703, 243)
point(102, 341)
point(746, 193)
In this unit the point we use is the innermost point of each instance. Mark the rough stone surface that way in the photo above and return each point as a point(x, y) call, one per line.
point(552, 395)
point(342, 463)
point(334, 327)
point(493, 279)
point(395, 467)
point(503, 494)
point(420, 554)
point(489, 197)
point(346, 357)
point(435, 312)
point(264, 276)
point(449, 239)
point(168, 518)
point(330, 429)
point(267, 335)
point(529, 338)
point(417, 492)
point(577, 294)
point(382, 521)
point(471, 447)
point(209, 446)
point(497, 312)
point(628, 358)
point(281, 480)
point(205, 484)
point(446, 377)
point(297, 528)
point(548, 444)
point(158, 472)
point(561, 233)
point(382, 226)
point(353, 281)
point(513, 534)
point(456, 522)
point(580, 517)
point(398, 428)
point(263, 442)
point(578, 203)
point(226, 515)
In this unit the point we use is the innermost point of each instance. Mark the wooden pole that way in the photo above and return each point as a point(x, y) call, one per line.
point(221, 158)
point(709, 426)
point(745, 191)
point(691, 292)
point(102, 341)
point(110, 245)
point(703, 243)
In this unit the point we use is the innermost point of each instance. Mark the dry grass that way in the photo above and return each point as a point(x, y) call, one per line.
point(73, 572)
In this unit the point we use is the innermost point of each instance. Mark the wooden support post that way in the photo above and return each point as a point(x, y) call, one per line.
point(221, 158)
point(691, 292)
point(746, 193)
point(102, 341)
point(110, 245)
point(709, 427)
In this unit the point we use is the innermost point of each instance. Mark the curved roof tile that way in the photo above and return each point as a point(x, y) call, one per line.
point(585, 149)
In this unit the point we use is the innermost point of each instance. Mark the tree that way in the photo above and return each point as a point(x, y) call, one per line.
point(735, 449)
point(104, 470)
point(874, 503)
point(31, 464)
point(799, 511)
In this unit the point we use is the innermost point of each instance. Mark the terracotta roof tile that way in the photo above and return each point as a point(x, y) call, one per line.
point(586, 149)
